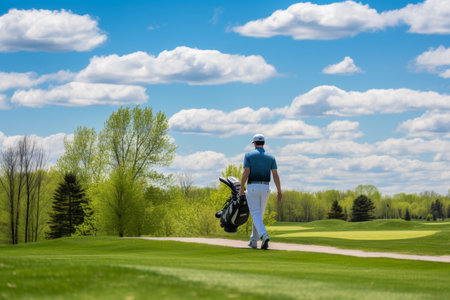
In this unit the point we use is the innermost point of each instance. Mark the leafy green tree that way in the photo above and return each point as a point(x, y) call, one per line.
point(134, 141)
point(67, 207)
point(362, 209)
point(82, 156)
point(336, 211)
point(137, 140)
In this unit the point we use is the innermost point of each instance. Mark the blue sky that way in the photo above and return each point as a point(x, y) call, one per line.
point(346, 93)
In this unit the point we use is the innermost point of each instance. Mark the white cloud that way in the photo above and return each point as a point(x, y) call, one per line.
point(4, 102)
point(289, 129)
point(332, 101)
point(211, 121)
point(327, 147)
point(81, 94)
point(238, 122)
point(401, 147)
point(204, 160)
point(308, 21)
point(416, 146)
point(435, 61)
point(217, 12)
point(430, 124)
point(183, 64)
point(347, 66)
point(53, 145)
point(25, 80)
point(428, 17)
point(45, 30)
point(343, 130)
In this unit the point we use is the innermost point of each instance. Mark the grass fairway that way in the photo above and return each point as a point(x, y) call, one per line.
point(414, 237)
point(112, 268)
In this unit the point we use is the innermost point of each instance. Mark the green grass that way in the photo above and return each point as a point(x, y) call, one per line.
point(113, 268)
point(413, 237)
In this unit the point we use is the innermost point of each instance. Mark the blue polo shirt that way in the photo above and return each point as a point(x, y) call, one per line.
point(260, 164)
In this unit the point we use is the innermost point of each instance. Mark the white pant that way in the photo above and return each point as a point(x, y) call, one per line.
point(257, 196)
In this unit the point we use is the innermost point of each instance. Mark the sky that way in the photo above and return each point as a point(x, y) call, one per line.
point(346, 93)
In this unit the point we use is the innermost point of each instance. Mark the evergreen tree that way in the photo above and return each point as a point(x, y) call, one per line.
point(362, 209)
point(336, 211)
point(407, 215)
point(67, 206)
point(437, 210)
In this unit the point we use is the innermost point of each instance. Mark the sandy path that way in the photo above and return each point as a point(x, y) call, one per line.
point(304, 248)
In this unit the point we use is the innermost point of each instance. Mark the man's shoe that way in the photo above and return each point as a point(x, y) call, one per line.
point(253, 244)
point(265, 241)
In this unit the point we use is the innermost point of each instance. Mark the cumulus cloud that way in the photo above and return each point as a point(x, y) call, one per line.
point(204, 160)
point(212, 121)
point(81, 94)
point(29, 79)
point(415, 146)
point(435, 61)
point(332, 101)
point(45, 30)
point(328, 147)
point(238, 122)
point(347, 66)
point(431, 123)
point(183, 64)
point(308, 21)
point(428, 17)
point(53, 145)
point(401, 147)
point(343, 130)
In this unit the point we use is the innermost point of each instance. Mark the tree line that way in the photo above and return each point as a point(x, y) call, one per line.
point(107, 183)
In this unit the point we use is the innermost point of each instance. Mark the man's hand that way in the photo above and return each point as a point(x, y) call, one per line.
point(244, 180)
point(279, 196)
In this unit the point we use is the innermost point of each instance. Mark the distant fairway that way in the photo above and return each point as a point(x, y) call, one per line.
point(287, 228)
point(364, 235)
point(413, 237)
point(113, 268)
point(437, 223)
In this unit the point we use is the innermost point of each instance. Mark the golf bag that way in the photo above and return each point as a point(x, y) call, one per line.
point(235, 211)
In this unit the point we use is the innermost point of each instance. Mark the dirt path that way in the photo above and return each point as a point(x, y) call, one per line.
point(304, 248)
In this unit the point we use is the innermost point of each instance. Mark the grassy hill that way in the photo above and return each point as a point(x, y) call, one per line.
point(113, 268)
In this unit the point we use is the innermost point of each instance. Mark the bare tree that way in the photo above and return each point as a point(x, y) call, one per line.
point(40, 164)
point(22, 166)
point(8, 180)
point(185, 181)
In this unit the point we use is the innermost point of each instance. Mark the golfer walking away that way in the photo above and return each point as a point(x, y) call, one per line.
point(257, 168)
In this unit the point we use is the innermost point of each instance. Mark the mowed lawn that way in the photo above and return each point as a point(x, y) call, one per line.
point(113, 268)
point(413, 237)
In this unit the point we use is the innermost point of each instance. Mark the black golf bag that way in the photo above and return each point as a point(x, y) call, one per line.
point(235, 211)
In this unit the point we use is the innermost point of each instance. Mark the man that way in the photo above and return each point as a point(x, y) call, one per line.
point(257, 168)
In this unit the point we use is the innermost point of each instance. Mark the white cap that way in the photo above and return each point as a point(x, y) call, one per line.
point(258, 138)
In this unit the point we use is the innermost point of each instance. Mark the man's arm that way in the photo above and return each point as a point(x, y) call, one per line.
point(276, 179)
point(244, 180)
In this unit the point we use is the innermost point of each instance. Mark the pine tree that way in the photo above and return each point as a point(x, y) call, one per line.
point(336, 211)
point(407, 215)
point(362, 209)
point(67, 206)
